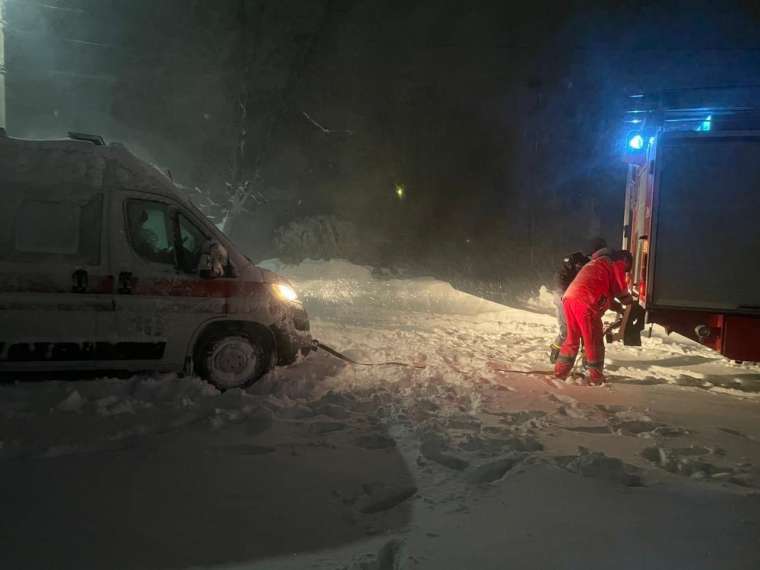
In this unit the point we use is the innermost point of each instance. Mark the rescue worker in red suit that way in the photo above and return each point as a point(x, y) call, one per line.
point(592, 292)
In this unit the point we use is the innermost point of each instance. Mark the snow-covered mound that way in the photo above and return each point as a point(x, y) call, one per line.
point(85, 416)
point(543, 300)
point(322, 284)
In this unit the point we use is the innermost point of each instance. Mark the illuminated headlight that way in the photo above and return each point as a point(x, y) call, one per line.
point(285, 292)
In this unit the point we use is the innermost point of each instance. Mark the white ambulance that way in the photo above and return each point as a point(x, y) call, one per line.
point(104, 265)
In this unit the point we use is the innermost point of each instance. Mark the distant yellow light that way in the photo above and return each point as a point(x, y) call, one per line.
point(400, 191)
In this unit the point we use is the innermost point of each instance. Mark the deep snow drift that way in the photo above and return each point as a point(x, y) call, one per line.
point(462, 461)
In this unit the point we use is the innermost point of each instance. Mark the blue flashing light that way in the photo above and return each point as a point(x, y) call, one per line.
point(706, 125)
point(652, 140)
point(636, 142)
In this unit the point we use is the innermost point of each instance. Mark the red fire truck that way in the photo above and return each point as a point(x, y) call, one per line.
point(692, 222)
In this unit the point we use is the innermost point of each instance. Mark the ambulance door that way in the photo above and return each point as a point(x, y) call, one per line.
point(55, 285)
point(161, 299)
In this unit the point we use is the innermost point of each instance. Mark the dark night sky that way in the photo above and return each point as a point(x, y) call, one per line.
point(500, 120)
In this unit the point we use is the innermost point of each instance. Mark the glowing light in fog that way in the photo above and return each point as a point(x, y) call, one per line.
point(285, 292)
point(400, 191)
point(636, 142)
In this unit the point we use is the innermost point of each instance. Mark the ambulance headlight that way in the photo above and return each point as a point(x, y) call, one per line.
point(285, 292)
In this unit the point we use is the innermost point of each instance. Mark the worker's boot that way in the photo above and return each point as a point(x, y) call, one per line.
point(563, 366)
point(594, 375)
point(553, 352)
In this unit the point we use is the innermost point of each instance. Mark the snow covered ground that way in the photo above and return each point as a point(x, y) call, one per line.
point(467, 459)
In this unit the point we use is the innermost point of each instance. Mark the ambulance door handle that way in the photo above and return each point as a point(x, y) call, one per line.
point(125, 283)
point(79, 281)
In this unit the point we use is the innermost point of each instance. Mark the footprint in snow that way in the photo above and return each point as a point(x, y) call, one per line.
point(693, 462)
point(244, 449)
point(326, 427)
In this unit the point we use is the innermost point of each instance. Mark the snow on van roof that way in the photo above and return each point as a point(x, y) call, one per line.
point(82, 162)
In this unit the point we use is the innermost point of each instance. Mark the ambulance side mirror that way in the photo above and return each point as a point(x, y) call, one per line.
point(213, 261)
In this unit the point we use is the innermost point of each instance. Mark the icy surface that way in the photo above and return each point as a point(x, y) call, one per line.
point(341, 466)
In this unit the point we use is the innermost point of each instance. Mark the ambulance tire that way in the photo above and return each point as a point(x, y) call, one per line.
point(233, 358)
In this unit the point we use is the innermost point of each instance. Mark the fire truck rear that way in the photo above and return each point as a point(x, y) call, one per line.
point(692, 222)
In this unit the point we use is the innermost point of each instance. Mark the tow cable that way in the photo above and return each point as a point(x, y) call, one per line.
point(526, 372)
point(317, 345)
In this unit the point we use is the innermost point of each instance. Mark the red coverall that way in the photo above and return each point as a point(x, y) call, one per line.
point(585, 301)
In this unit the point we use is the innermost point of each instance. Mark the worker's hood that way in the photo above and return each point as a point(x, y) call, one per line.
point(604, 252)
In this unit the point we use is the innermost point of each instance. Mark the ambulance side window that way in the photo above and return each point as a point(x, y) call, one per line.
point(149, 231)
point(48, 227)
point(67, 229)
point(191, 245)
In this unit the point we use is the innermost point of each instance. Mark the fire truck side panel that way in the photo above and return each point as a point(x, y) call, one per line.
point(691, 225)
point(705, 223)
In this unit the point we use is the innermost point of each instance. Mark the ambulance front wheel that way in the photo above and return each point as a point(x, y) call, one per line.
point(233, 359)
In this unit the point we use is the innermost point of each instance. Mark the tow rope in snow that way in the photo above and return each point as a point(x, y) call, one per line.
point(337, 354)
point(526, 372)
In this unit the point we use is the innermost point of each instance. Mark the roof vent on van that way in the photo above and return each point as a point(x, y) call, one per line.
point(94, 139)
